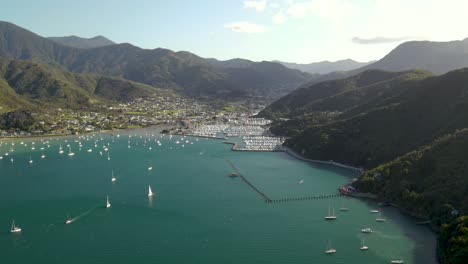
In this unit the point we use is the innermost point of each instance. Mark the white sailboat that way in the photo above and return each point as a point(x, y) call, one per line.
point(150, 193)
point(113, 178)
point(42, 155)
point(329, 249)
point(363, 246)
point(30, 160)
point(60, 149)
point(107, 202)
point(14, 228)
point(330, 216)
point(380, 218)
point(70, 153)
point(150, 168)
point(108, 157)
point(343, 208)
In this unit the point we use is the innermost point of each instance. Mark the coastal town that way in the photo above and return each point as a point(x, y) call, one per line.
point(179, 116)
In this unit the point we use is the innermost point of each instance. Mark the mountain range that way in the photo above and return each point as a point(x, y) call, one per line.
point(181, 71)
point(436, 57)
point(83, 43)
point(325, 67)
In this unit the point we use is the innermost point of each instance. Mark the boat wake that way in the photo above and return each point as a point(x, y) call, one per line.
point(72, 220)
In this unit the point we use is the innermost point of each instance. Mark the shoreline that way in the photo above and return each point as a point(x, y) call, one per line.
point(359, 195)
point(331, 163)
point(107, 131)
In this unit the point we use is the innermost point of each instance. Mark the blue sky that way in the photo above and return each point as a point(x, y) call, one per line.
point(289, 30)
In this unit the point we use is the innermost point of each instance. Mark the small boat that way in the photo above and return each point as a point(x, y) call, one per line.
point(363, 247)
point(330, 216)
point(301, 181)
point(42, 156)
point(150, 193)
point(329, 249)
point(107, 202)
point(380, 218)
point(90, 150)
point(30, 160)
point(344, 208)
point(113, 178)
point(108, 157)
point(70, 153)
point(366, 230)
point(397, 261)
point(150, 168)
point(374, 211)
point(233, 175)
point(14, 228)
point(69, 221)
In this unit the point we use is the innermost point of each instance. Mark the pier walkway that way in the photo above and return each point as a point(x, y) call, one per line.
point(305, 198)
point(267, 199)
point(283, 200)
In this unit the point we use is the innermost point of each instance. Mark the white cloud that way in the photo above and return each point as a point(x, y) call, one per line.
point(328, 9)
point(377, 40)
point(274, 5)
point(258, 5)
point(279, 18)
point(246, 27)
point(299, 10)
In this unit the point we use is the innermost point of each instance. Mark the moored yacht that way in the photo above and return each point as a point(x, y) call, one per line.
point(150, 193)
point(329, 249)
point(14, 228)
point(380, 218)
point(330, 216)
point(366, 230)
point(107, 202)
point(70, 153)
point(363, 246)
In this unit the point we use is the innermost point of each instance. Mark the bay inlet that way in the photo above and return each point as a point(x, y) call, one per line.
point(197, 214)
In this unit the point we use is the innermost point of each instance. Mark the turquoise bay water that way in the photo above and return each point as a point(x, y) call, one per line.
point(198, 214)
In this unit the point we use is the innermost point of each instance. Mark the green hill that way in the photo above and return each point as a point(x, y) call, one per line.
point(339, 95)
point(453, 242)
point(431, 183)
point(25, 84)
point(339, 99)
point(433, 107)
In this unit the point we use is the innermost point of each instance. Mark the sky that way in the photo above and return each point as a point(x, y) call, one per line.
point(300, 31)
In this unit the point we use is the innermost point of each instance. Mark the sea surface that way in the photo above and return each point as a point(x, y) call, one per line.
point(197, 214)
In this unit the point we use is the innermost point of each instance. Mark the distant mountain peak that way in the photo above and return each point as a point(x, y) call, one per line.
point(325, 67)
point(83, 43)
